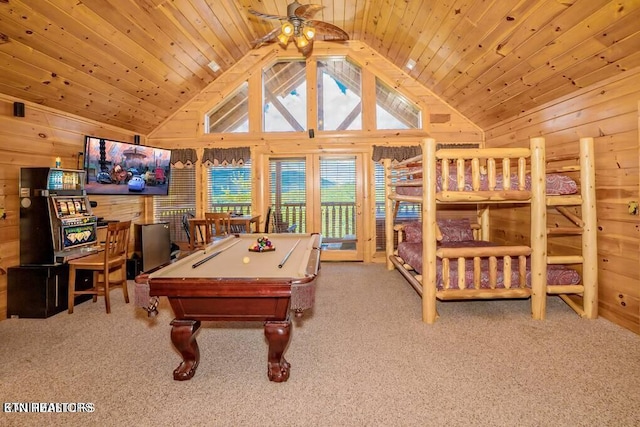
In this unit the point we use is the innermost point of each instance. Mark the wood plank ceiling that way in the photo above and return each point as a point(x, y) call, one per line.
point(132, 63)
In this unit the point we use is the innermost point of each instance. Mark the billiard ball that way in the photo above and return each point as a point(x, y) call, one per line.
point(246, 260)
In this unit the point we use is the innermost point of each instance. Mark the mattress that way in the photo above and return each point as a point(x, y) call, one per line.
point(557, 184)
point(411, 253)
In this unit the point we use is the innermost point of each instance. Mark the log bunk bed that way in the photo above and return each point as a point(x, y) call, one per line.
point(455, 264)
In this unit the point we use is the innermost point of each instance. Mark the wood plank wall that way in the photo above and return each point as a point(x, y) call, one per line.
point(607, 111)
point(36, 140)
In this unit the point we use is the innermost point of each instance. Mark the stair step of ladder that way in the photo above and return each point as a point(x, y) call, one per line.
point(564, 200)
point(565, 231)
point(565, 259)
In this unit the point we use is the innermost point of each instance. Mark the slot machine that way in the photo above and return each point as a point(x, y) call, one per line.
point(56, 222)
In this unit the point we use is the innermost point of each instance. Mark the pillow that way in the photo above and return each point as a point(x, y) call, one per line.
point(455, 230)
point(413, 232)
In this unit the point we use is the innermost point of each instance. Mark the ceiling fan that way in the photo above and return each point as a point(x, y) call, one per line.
point(299, 26)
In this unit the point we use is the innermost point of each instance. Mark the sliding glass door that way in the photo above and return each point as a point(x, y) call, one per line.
point(320, 193)
point(340, 208)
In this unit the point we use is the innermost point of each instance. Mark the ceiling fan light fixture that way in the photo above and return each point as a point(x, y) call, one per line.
point(299, 27)
point(283, 39)
point(301, 41)
point(309, 32)
point(287, 29)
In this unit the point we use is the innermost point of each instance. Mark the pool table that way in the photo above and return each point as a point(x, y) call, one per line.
point(227, 281)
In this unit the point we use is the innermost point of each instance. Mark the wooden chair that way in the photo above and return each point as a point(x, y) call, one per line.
point(198, 237)
point(281, 226)
point(217, 224)
point(111, 259)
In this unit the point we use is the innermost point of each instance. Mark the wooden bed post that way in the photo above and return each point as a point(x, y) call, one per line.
point(483, 217)
point(538, 229)
point(589, 233)
point(429, 312)
point(388, 213)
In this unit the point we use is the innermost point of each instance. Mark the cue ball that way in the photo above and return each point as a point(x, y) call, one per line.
point(246, 260)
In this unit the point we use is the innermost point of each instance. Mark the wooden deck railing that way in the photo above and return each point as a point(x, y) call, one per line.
point(338, 219)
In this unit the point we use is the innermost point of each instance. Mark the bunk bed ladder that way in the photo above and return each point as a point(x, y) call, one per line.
point(583, 226)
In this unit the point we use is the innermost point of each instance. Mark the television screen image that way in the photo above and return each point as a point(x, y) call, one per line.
point(115, 167)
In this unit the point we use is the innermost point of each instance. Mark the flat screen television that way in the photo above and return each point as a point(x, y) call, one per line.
point(116, 167)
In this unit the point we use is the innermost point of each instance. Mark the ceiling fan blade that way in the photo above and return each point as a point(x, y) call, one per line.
point(266, 38)
point(326, 29)
point(307, 11)
point(267, 16)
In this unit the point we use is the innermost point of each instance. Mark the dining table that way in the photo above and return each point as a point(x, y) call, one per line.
point(242, 223)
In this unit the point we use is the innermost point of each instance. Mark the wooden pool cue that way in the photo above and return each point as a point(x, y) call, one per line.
point(286, 257)
point(213, 255)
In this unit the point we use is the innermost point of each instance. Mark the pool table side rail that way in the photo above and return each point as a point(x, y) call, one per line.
point(199, 287)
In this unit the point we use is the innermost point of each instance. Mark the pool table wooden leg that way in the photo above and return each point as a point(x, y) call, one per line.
point(183, 336)
point(278, 335)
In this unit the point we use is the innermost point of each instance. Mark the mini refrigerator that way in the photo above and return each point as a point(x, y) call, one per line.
point(152, 245)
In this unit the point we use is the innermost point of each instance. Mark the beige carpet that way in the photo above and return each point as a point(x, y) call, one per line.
point(361, 358)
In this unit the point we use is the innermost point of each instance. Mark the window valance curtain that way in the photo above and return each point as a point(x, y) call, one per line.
point(183, 157)
point(226, 156)
point(397, 154)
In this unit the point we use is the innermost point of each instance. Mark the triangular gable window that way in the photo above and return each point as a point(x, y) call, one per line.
point(232, 115)
point(393, 110)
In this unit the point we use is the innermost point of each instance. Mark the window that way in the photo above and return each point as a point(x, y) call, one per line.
point(180, 201)
point(232, 115)
point(288, 178)
point(229, 188)
point(338, 101)
point(285, 97)
point(394, 111)
point(339, 95)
